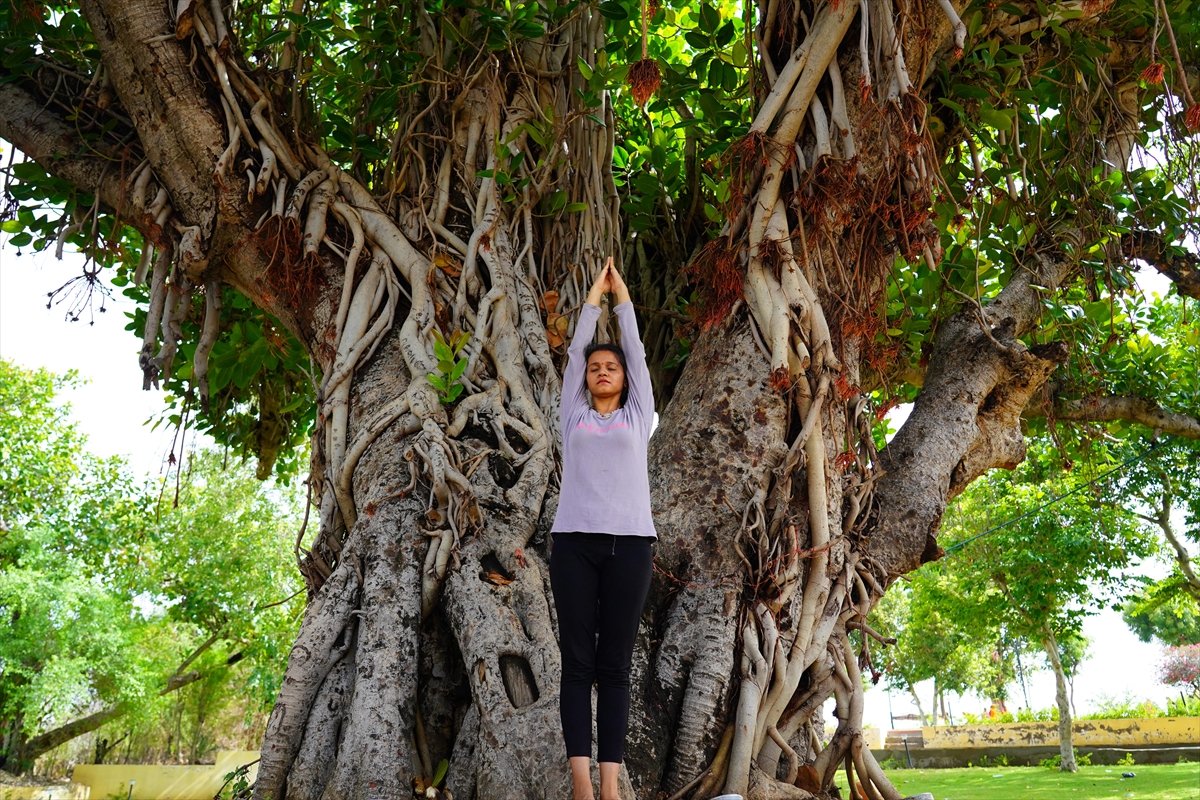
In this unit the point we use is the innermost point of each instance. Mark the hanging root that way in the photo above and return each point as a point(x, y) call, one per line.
point(960, 30)
point(154, 314)
point(176, 305)
point(208, 337)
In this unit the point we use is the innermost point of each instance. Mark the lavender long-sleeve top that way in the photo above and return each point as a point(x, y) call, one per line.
point(605, 488)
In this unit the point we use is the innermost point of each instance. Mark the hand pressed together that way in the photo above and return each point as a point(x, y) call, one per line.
point(609, 280)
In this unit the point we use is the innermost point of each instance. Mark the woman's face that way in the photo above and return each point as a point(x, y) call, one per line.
point(605, 377)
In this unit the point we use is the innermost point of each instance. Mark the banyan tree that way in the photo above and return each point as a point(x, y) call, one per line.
point(370, 226)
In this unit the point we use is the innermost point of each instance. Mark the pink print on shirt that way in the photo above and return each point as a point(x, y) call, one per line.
point(592, 427)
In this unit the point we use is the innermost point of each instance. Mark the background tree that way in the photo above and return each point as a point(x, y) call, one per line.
point(939, 638)
point(1158, 488)
point(1037, 552)
point(116, 595)
point(69, 642)
point(860, 203)
point(1161, 611)
point(1169, 608)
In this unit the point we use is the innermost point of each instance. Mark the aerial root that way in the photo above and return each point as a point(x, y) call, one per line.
point(208, 337)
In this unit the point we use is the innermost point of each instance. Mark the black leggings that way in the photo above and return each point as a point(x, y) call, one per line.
point(600, 583)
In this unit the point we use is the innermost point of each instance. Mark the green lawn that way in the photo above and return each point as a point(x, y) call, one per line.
point(1152, 782)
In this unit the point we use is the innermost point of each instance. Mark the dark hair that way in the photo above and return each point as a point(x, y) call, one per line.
point(608, 347)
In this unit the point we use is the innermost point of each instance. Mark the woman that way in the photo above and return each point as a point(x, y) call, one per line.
point(603, 533)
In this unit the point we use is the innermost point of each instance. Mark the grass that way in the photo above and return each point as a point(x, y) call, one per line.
point(1152, 782)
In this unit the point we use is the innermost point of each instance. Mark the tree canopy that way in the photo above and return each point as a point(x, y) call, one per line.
point(118, 592)
point(1035, 124)
point(1031, 553)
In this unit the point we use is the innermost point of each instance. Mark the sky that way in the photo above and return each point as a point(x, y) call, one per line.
point(111, 409)
point(109, 406)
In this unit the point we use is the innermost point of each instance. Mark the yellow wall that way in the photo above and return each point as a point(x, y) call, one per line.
point(873, 737)
point(195, 782)
point(71, 792)
point(1087, 733)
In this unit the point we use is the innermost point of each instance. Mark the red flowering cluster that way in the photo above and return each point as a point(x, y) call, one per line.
point(717, 274)
point(1191, 117)
point(1181, 667)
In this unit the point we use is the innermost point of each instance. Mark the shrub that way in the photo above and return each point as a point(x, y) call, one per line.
point(1055, 761)
point(1022, 715)
point(999, 761)
point(1126, 708)
point(1041, 715)
point(1184, 707)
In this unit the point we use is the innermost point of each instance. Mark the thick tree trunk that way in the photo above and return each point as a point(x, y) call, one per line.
point(12, 745)
point(1062, 699)
point(710, 460)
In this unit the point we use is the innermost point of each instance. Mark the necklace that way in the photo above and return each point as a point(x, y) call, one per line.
point(605, 414)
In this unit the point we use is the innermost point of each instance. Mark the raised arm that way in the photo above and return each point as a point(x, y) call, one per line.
point(574, 390)
point(637, 373)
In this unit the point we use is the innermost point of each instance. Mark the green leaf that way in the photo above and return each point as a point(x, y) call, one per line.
point(948, 103)
point(274, 38)
point(738, 54)
point(968, 91)
point(554, 202)
point(725, 34)
point(1000, 119)
point(614, 10)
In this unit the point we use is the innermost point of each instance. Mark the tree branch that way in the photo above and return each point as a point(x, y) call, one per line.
point(966, 419)
point(1182, 558)
point(65, 733)
point(1183, 269)
point(209, 642)
point(42, 135)
point(151, 73)
point(1077, 8)
point(1129, 409)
